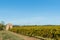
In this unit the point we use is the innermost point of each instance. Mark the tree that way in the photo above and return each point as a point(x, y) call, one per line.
point(2, 26)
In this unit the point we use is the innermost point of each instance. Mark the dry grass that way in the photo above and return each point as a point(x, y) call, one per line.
point(5, 35)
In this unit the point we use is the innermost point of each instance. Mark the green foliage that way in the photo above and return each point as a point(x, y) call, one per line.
point(52, 32)
point(2, 26)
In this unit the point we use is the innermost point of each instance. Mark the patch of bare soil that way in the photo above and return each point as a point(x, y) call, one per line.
point(0, 38)
point(25, 37)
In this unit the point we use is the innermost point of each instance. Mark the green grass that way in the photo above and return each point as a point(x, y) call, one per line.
point(5, 35)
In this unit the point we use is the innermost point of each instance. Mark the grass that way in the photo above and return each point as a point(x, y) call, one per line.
point(5, 35)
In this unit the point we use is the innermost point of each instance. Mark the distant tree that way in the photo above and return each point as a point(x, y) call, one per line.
point(2, 26)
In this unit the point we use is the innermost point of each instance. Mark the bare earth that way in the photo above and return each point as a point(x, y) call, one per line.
point(25, 37)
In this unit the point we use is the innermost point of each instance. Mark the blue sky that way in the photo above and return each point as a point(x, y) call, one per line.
point(30, 12)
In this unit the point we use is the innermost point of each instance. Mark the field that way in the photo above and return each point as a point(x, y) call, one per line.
point(49, 32)
point(6, 35)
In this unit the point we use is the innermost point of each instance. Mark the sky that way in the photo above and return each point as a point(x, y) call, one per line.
point(30, 12)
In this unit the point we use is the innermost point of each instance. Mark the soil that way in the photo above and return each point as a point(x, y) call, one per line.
point(25, 37)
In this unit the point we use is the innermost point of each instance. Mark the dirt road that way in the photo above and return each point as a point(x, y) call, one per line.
point(25, 37)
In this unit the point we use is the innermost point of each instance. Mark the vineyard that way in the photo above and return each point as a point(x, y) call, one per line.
point(46, 32)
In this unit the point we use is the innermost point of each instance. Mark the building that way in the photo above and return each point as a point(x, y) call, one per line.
point(9, 26)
